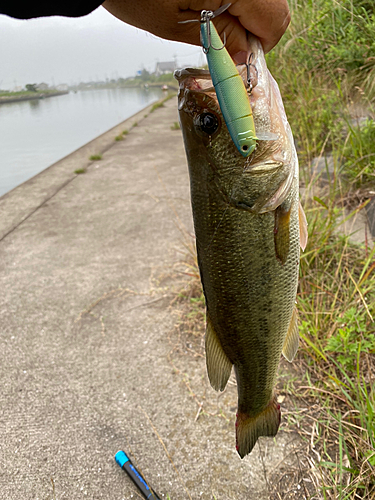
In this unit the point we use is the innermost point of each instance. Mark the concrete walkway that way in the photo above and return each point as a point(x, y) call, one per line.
point(89, 267)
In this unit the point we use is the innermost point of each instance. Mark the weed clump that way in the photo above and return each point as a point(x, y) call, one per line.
point(156, 106)
point(80, 171)
point(95, 157)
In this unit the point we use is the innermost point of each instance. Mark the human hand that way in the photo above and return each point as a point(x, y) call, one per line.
point(266, 19)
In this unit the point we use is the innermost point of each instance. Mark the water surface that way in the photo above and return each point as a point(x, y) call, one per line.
point(34, 134)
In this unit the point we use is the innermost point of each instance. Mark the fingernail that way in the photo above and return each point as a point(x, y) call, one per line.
point(240, 57)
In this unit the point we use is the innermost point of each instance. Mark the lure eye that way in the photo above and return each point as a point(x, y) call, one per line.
point(208, 123)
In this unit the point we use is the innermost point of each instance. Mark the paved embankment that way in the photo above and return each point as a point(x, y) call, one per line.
point(88, 274)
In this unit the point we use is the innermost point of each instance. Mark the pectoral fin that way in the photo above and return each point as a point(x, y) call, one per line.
point(282, 231)
point(218, 364)
point(303, 233)
point(292, 338)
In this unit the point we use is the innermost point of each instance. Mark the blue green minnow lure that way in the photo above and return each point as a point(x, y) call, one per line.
point(230, 89)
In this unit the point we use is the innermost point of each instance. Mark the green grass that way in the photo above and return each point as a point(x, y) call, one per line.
point(125, 132)
point(336, 296)
point(336, 303)
point(135, 124)
point(359, 153)
point(175, 126)
point(160, 104)
point(332, 37)
point(18, 94)
point(28, 93)
point(156, 106)
point(119, 138)
point(329, 45)
point(95, 157)
point(80, 171)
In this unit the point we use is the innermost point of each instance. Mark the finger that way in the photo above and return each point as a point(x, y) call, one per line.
point(267, 19)
point(235, 33)
point(198, 5)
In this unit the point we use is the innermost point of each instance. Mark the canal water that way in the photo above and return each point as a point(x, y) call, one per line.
point(34, 134)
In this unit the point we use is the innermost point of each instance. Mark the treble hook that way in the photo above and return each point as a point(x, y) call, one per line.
point(248, 76)
point(206, 17)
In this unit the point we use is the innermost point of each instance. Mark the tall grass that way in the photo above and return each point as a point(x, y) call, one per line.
point(332, 46)
point(325, 67)
point(332, 36)
point(336, 303)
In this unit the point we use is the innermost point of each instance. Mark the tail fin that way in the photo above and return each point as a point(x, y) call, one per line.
point(248, 429)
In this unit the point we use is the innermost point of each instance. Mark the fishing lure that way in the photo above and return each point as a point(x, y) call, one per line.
point(230, 90)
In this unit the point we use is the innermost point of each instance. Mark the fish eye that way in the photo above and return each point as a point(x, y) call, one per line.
point(208, 123)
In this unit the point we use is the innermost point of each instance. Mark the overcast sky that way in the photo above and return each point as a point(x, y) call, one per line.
point(94, 47)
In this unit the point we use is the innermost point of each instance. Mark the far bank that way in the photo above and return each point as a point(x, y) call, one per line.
point(29, 96)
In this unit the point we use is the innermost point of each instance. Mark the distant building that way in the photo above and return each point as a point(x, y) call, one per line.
point(164, 67)
point(42, 86)
point(62, 87)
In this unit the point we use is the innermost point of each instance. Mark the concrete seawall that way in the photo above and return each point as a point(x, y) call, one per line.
point(91, 362)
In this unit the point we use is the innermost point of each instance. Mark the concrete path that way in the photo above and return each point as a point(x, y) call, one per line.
point(89, 266)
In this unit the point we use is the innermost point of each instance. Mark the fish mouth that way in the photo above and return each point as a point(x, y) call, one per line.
point(181, 74)
point(197, 79)
point(195, 85)
point(194, 82)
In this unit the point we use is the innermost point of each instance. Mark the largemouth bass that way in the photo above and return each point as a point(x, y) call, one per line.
point(248, 226)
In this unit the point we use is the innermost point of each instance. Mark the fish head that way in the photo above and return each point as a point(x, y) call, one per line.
point(257, 183)
point(200, 114)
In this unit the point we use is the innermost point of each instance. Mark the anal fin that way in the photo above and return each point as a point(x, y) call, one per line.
point(291, 342)
point(218, 365)
point(249, 429)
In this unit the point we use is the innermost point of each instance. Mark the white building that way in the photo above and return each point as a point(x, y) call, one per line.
point(42, 86)
point(62, 87)
point(164, 67)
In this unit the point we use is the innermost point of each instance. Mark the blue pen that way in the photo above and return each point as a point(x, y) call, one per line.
point(125, 463)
